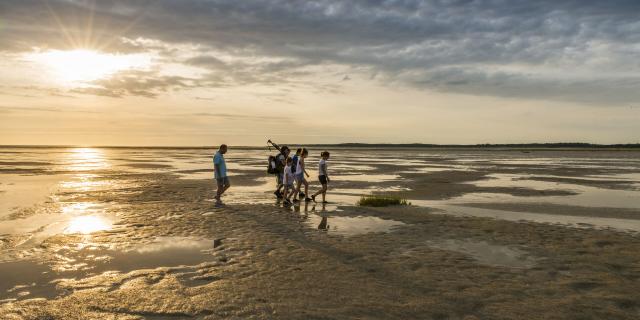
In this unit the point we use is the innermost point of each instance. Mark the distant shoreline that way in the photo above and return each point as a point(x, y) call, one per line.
point(523, 146)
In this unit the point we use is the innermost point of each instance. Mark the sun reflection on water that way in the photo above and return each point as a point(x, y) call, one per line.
point(84, 182)
point(77, 207)
point(88, 224)
point(85, 217)
point(86, 159)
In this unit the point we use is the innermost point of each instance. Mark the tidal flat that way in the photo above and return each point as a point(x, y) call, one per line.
point(99, 233)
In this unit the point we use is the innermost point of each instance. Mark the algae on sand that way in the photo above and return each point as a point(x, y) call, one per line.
point(382, 201)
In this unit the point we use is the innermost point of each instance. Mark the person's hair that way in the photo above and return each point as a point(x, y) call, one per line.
point(223, 146)
point(284, 148)
point(299, 151)
point(304, 151)
point(289, 160)
point(324, 153)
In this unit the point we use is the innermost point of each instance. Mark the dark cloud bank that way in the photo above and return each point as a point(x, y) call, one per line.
point(580, 51)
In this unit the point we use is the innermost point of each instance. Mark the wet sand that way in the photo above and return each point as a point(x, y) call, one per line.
point(159, 249)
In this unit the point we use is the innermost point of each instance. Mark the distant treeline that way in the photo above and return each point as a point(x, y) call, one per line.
point(559, 145)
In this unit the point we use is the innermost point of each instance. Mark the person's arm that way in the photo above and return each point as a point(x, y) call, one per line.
point(304, 168)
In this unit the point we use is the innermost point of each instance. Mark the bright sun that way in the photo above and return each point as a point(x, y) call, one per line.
point(81, 66)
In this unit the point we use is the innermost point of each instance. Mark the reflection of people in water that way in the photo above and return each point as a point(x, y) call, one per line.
point(323, 224)
point(322, 209)
point(296, 207)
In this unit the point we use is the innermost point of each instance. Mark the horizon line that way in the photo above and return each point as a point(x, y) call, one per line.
point(350, 144)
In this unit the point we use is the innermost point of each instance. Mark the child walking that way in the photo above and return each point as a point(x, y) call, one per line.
point(323, 176)
point(300, 176)
point(294, 165)
point(288, 182)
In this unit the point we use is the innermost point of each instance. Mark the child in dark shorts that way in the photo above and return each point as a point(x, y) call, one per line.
point(323, 176)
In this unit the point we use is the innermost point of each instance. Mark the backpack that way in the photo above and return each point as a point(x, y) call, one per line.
point(271, 166)
point(279, 164)
point(294, 163)
point(274, 166)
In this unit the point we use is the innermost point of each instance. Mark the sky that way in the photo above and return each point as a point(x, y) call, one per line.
point(205, 72)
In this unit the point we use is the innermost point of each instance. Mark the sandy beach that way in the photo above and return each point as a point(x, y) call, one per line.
point(480, 160)
point(126, 234)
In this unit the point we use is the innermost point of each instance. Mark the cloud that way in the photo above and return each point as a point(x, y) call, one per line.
point(452, 46)
point(136, 83)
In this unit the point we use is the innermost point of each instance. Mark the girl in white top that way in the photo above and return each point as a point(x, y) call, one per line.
point(288, 182)
point(323, 176)
point(300, 173)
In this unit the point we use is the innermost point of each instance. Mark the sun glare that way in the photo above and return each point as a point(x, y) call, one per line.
point(86, 159)
point(81, 66)
point(87, 224)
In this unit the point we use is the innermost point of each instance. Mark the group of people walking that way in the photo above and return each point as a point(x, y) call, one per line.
point(291, 174)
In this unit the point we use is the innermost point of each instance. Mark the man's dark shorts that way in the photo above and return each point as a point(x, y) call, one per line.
point(323, 179)
point(224, 181)
point(279, 178)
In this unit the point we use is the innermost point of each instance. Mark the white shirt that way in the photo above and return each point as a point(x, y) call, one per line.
point(298, 166)
point(288, 175)
point(322, 167)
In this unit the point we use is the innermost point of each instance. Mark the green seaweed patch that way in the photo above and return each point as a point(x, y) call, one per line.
point(382, 201)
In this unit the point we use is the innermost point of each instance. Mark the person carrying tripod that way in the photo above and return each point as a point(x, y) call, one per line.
point(279, 162)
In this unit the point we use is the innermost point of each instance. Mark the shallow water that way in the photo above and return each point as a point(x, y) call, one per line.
point(350, 226)
point(77, 192)
point(559, 219)
point(46, 173)
point(367, 177)
point(586, 195)
point(28, 279)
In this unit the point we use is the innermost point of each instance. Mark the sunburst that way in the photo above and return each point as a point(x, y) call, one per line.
point(86, 55)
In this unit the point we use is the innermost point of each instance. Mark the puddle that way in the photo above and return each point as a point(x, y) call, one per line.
point(369, 190)
point(32, 279)
point(517, 181)
point(67, 218)
point(351, 226)
point(346, 166)
point(373, 160)
point(366, 177)
point(434, 169)
point(586, 195)
point(573, 221)
point(486, 253)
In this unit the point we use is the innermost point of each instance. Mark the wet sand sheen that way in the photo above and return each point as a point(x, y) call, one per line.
point(167, 253)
